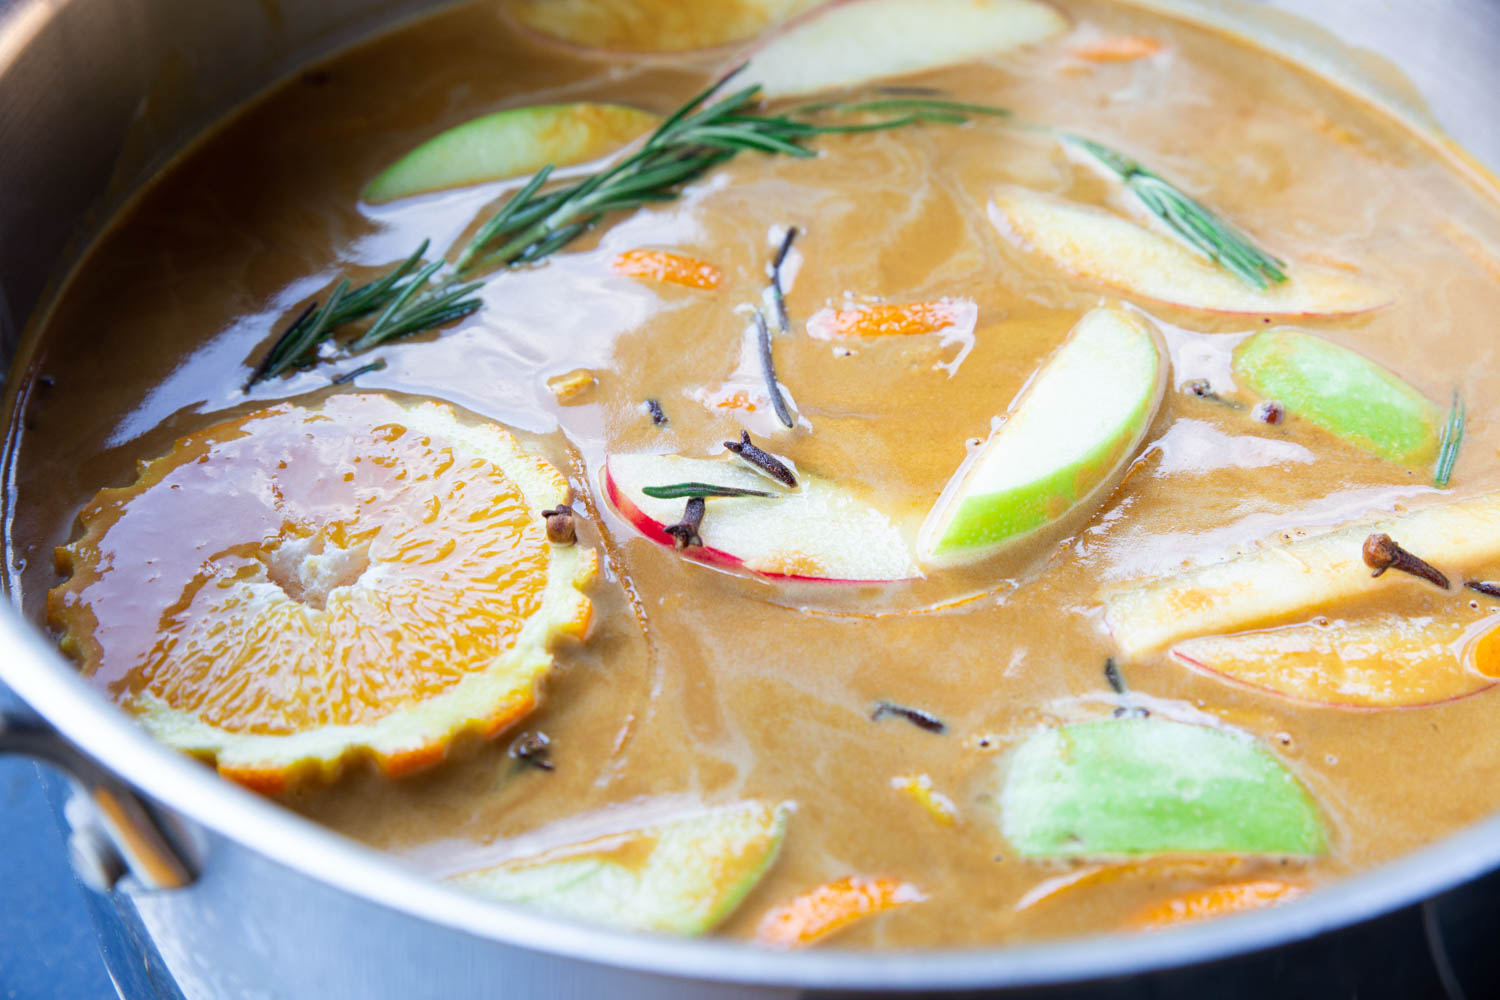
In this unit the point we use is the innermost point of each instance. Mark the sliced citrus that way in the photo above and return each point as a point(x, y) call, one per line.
point(663, 265)
point(298, 586)
point(830, 908)
point(642, 26)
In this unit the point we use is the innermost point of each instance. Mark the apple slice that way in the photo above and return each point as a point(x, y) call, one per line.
point(856, 41)
point(651, 26)
point(1067, 439)
point(814, 532)
point(1091, 243)
point(1123, 787)
point(1279, 583)
point(680, 877)
point(1342, 392)
point(514, 143)
point(1388, 662)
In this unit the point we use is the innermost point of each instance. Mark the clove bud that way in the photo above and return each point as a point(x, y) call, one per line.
point(560, 527)
point(1382, 553)
point(685, 532)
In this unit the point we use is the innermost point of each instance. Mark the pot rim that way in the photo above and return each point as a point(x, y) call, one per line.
point(43, 678)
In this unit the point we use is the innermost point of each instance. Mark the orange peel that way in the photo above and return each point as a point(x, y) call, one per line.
point(300, 586)
point(663, 265)
point(830, 907)
point(1216, 901)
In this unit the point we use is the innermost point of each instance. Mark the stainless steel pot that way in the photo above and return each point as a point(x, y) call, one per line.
point(202, 890)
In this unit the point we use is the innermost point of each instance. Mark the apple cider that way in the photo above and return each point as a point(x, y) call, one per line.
point(881, 474)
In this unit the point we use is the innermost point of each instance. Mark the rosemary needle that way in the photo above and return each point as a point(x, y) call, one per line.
point(677, 491)
point(417, 295)
point(1188, 218)
point(768, 368)
point(1453, 436)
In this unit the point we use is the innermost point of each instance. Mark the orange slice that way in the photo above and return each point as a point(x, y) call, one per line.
point(300, 586)
point(892, 319)
point(831, 907)
point(651, 26)
point(663, 265)
point(1216, 901)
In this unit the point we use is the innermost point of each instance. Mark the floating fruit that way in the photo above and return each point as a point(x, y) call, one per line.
point(1216, 901)
point(1281, 582)
point(1091, 243)
point(1388, 662)
point(854, 42)
point(1342, 392)
point(662, 265)
point(683, 876)
point(513, 143)
point(646, 26)
point(817, 531)
point(892, 319)
point(311, 584)
point(830, 908)
point(1063, 446)
point(1152, 786)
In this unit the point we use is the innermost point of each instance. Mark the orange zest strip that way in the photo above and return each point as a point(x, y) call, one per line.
point(1122, 48)
point(1103, 874)
point(920, 788)
point(661, 265)
point(1215, 901)
point(830, 907)
point(887, 319)
point(739, 401)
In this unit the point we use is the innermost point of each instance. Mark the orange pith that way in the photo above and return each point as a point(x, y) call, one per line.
point(662, 265)
point(1121, 48)
point(893, 319)
point(1216, 901)
point(831, 907)
point(296, 569)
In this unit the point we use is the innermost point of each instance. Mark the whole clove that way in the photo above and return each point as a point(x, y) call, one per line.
point(533, 750)
point(658, 415)
point(764, 461)
point(560, 527)
point(1382, 553)
point(1481, 587)
point(685, 532)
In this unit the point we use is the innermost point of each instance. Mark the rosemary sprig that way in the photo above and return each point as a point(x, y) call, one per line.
point(702, 134)
point(1453, 436)
point(677, 491)
point(1189, 218)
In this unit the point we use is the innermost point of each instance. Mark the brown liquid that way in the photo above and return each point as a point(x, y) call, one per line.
point(703, 686)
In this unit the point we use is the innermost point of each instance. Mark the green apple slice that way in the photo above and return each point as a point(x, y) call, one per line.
point(513, 143)
point(1389, 661)
point(1100, 246)
point(1342, 392)
point(856, 41)
point(1067, 439)
point(651, 26)
point(1280, 583)
point(1150, 786)
point(683, 876)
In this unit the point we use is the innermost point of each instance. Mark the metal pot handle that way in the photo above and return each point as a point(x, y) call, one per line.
point(119, 833)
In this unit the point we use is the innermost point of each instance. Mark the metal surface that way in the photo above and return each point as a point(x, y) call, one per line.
point(286, 909)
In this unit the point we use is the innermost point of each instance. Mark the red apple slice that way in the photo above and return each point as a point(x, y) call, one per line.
point(1091, 243)
point(1386, 662)
point(814, 532)
point(1276, 584)
point(854, 42)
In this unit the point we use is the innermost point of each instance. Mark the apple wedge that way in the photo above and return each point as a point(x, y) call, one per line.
point(651, 26)
point(1124, 787)
point(1342, 392)
point(1063, 446)
point(513, 143)
point(1091, 243)
point(814, 532)
point(680, 877)
point(855, 41)
point(1279, 583)
point(1387, 662)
